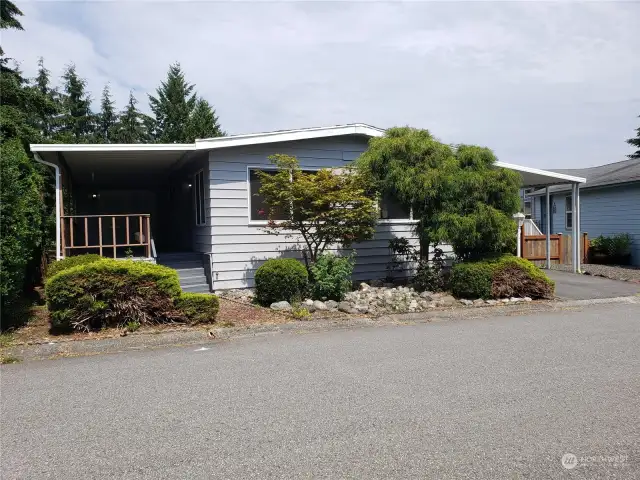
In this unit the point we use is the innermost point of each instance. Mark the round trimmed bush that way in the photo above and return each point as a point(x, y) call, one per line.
point(281, 279)
point(69, 262)
point(198, 307)
point(471, 279)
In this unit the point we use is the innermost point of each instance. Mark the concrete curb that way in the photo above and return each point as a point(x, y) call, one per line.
point(215, 335)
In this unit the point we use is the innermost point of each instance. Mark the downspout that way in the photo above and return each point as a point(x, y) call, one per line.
point(58, 189)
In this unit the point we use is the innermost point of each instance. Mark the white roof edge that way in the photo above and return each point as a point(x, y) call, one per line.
point(537, 171)
point(112, 147)
point(288, 135)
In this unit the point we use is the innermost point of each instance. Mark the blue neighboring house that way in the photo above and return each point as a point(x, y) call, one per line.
point(609, 203)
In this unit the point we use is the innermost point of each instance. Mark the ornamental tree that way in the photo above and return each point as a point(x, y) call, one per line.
point(457, 195)
point(327, 207)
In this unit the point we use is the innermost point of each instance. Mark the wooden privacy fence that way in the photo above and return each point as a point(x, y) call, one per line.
point(106, 232)
point(534, 248)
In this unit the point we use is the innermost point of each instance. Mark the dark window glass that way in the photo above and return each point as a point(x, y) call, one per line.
point(391, 208)
point(259, 209)
point(199, 198)
point(568, 212)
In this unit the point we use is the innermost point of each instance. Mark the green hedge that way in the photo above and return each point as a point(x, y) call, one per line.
point(69, 262)
point(281, 279)
point(507, 276)
point(112, 292)
point(198, 307)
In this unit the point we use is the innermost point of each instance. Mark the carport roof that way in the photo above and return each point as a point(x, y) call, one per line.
point(130, 158)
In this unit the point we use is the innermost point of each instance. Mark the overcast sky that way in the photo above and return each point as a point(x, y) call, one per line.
point(542, 84)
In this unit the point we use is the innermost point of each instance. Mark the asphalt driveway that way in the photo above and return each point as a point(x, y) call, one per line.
point(571, 286)
point(501, 397)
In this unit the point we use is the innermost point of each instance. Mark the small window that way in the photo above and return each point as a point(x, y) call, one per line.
point(392, 209)
point(258, 207)
point(568, 212)
point(198, 198)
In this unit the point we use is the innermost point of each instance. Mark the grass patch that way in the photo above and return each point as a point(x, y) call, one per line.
point(131, 326)
point(6, 339)
point(8, 359)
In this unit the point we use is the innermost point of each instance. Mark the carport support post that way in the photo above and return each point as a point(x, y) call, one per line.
point(578, 234)
point(574, 229)
point(547, 229)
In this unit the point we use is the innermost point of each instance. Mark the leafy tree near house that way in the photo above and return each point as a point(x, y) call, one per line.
point(132, 125)
point(107, 118)
point(324, 208)
point(635, 142)
point(77, 122)
point(455, 192)
point(203, 122)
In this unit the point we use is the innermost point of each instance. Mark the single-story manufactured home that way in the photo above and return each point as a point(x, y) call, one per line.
point(195, 206)
point(609, 203)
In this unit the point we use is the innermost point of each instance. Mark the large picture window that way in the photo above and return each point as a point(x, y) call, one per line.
point(198, 198)
point(568, 212)
point(392, 209)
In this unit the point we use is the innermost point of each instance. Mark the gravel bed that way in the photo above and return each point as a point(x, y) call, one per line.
point(614, 272)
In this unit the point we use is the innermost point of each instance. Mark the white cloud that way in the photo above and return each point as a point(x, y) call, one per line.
point(542, 84)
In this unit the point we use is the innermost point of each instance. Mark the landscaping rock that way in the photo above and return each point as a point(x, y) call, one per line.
point(364, 287)
point(283, 305)
point(331, 304)
point(320, 305)
point(478, 301)
point(527, 299)
point(445, 301)
point(492, 302)
point(466, 302)
point(346, 307)
point(427, 296)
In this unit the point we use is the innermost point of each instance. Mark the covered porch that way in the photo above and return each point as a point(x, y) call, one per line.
point(538, 179)
point(122, 200)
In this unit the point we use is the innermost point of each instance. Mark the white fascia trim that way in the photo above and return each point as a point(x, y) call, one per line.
point(288, 135)
point(113, 147)
point(537, 171)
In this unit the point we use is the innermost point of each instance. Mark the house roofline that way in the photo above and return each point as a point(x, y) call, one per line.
point(217, 142)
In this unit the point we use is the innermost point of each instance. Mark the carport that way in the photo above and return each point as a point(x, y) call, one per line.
point(536, 178)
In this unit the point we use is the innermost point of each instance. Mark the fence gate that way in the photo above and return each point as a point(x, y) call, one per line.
point(534, 248)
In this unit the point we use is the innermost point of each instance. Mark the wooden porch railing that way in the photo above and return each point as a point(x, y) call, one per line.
point(88, 232)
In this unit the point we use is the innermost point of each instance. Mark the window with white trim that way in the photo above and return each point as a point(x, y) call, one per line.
point(198, 198)
point(392, 209)
point(258, 208)
point(568, 212)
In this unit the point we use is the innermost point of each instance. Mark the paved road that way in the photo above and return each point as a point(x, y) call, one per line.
point(478, 398)
point(570, 286)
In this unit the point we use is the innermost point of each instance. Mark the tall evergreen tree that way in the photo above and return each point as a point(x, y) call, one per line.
point(172, 107)
point(46, 116)
point(20, 181)
point(107, 118)
point(132, 124)
point(636, 143)
point(203, 122)
point(77, 121)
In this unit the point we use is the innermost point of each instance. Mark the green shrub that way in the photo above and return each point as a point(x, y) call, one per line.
point(331, 277)
point(518, 277)
point(69, 262)
point(198, 307)
point(281, 279)
point(111, 293)
point(507, 276)
point(471, 279)
point(432, 276)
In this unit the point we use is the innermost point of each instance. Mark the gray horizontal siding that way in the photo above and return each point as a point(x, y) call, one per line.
point(238, 248)
point(606, 211)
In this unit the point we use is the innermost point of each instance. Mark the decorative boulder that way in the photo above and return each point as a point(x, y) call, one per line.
point(283, 306)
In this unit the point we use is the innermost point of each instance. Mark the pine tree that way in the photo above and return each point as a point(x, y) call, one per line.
point(77, 121)
point(132, 125)
point(203, 122)
point(636, 143)
point(172, 107)
point(107, 118)
point(45, 118)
